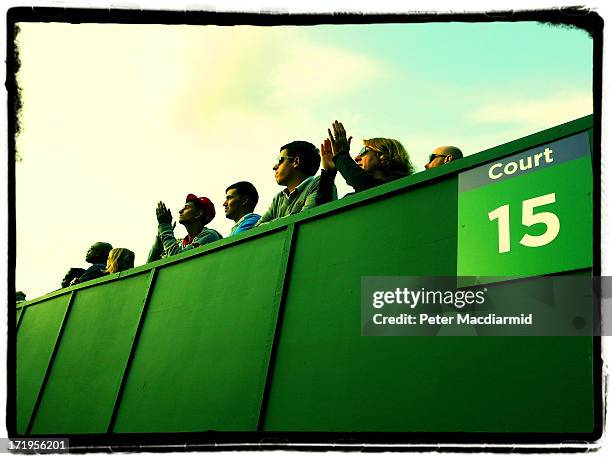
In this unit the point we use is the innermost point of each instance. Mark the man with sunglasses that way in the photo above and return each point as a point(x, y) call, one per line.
point(294, 169)
point(443, 155)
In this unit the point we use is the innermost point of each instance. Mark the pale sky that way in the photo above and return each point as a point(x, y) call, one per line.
point(118, 117)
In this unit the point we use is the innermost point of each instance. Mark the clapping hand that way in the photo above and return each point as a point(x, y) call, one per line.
point(327, 156)
point(163, 214)
point(338, 140)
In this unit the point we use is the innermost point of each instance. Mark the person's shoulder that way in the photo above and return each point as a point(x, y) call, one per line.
point(277, 197)
point(394, 175)
point(314, 182)
point(252, 217)
point(207, 231)
point(402, 173)
point(248, 221)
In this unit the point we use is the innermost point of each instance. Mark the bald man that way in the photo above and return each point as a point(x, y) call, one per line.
point(443, 155)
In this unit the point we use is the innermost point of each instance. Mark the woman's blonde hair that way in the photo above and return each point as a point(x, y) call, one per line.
point(119, 260)
point(397, 159)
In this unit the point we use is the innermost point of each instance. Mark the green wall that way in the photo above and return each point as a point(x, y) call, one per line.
point(262, 332)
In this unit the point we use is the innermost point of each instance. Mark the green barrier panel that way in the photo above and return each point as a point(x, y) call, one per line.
point(18, 316)
point(36, 339)
point(84, 380)
point(327, 377)
point(207, 353)
point(202, 358)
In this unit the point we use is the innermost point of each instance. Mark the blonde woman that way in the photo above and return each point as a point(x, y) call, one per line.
point(119, 260)
point(379, 161)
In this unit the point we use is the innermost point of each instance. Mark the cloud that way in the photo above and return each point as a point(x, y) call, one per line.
point(555, 109)
point(313, 71)
point(265, 69)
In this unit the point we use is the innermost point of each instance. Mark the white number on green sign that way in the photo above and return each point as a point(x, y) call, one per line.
point(502, 214)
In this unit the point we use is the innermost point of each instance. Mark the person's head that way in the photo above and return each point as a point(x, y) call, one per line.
point(380, 155)
point(443, 155)
point(196, 209)
point(98, 253)
point(240, 199)
point(72, 273)
point(20, 296)
point(119, 260)
point(297, 161)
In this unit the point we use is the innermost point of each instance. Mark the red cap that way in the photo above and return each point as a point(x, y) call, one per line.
point(206, 205)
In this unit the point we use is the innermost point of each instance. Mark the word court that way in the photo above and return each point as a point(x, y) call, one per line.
point(498, 170)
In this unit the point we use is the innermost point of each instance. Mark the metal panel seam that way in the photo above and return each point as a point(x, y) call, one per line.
point(283, 280)
point(19, 320)
point(50, 364)
point(130, 359)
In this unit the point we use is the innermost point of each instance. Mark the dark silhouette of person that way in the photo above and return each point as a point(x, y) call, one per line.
point(73, 273)
point(97, 256)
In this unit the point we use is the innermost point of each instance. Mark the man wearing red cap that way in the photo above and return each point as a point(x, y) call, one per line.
point(194, 216)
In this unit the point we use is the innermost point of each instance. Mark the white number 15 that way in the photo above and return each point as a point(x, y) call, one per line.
point(502, 214)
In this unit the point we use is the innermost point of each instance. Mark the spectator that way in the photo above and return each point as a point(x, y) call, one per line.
point(119, 260)
point(73, 273)
point(443, 155)
point(379, 161)
point(240, 201)
point(295, 169)
point(20, 297)
point(96, 255)
point(194, 216)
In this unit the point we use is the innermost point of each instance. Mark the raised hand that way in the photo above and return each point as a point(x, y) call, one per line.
point(327, 156)
point(163, 214)
point(338, 139)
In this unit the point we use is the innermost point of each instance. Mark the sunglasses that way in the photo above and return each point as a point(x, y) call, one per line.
point(280, 159)
point(433, 156)
point(363, 151)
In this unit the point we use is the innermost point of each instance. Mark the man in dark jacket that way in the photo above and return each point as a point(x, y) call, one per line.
point(73, 273)
point(96, 255)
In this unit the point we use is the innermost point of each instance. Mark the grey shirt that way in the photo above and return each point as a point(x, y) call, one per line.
point(303, 197)
point(166, 244)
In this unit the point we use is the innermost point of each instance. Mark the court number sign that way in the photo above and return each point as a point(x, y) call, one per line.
point(529, 213)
